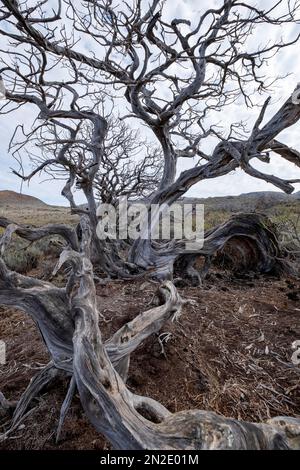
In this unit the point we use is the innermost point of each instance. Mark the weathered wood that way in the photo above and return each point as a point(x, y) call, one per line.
point(111, 409)
point(250, 241)
point(65, 407)
point(32, 233)
point(132, 334)
point(178, 125)
point(254, 237)
point(126, 420)
point(68, 318)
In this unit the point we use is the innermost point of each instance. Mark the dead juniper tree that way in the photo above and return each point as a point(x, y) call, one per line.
point(129, 166)
point(100, 156)
point(137, 52)
point(173, 76)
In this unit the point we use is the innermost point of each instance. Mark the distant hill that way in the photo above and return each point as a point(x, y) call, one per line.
point(249, 202)
point(11, 198)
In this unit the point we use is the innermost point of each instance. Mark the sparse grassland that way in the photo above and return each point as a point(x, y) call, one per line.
point(38, 215)
point(278, 214)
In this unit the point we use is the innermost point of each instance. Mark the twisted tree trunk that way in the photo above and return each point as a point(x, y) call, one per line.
point(68, 321)
point(249, 240)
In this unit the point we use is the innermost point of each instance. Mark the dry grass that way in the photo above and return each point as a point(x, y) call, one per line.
point(38, 215)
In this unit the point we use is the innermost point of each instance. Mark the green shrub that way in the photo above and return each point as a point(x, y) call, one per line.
point(21, 261)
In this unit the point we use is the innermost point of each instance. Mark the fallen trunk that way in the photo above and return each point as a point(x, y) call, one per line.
point(245, 243)
point(248, 240)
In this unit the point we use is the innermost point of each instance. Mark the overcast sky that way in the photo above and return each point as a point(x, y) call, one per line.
point(288, 60)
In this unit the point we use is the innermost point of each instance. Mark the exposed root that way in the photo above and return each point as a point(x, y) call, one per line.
point(36, 385)
point(246, 242)
point(33, 234)
point(65, 407)
point(131, 335)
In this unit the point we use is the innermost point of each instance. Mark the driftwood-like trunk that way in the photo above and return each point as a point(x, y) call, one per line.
point(68, 321)
point(248, 240)
point(245, 243)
